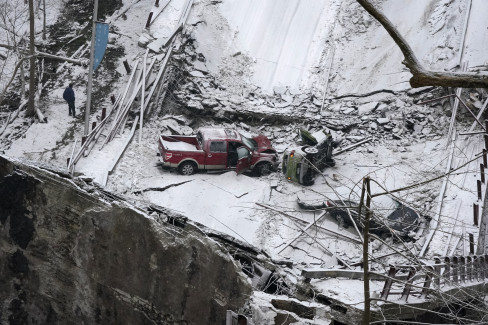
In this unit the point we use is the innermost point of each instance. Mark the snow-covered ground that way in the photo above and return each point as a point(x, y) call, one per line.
point(324, 48)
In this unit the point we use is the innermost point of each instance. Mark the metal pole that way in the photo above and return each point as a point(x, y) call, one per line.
point(90, 70)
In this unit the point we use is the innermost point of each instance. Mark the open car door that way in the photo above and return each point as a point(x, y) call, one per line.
point(243, 160)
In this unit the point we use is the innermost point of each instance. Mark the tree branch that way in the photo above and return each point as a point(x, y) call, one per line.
point(421, 76)
point(21, 61)
point(43, 54)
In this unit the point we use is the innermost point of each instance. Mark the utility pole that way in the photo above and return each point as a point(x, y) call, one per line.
point(90, 70)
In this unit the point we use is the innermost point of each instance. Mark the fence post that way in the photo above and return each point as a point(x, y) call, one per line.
point(481, 266)
point(471, 244)
point(485, 159)
point(408, 286)
point(475, 214)
point(455, 270)
point(478, 182)
point(462, 269)
point(437, 268)
point(148, 23)
point(429, 273)
point(386, 288)
point(475, 268)
point(127, 66)
point(447, 270)
point(469, 268)
point(482, 173)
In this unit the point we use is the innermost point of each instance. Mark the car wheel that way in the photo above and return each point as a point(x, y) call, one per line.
point(264, 169)
point(187, 168)
point(310, 150)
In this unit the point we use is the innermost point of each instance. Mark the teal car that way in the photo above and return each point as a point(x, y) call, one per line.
point(302, 164)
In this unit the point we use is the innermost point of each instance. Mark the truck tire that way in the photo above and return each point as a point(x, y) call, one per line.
point(187, 168)
point(263, 169)
point(310, 150)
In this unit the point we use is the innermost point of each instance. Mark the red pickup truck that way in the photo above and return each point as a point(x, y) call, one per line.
point(217, 149)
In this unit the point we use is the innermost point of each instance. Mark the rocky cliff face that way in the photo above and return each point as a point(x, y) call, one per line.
point(68, 256)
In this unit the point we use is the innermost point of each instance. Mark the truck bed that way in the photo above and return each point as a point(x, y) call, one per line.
point(180, 143)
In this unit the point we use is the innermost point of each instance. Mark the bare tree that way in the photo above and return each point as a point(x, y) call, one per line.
point(421, 76)
point(32, 60)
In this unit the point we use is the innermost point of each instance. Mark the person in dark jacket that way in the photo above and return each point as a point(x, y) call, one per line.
point(69, 96)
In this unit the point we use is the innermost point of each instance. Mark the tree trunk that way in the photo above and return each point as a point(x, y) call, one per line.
point(32, 62)
point(44, 20)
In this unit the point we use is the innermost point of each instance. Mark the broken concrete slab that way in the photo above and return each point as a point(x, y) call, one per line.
point(367, 108)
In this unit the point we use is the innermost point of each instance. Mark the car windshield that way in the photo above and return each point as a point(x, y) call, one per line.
point(250, 143)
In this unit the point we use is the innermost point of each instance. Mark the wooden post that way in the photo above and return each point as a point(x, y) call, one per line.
point(486, 125)
point(462, 269)
point(485, 266)
point(486, 141)
point(367, 295)
point(475, 214)
point(447, 270)
point(482, 172)
point(485, 160)
point(469, 268)
point(475, 268)
point(112, 98)
point(67, 161)
point(148, 23)
point(437, 269)
point(127, 67)
point(478, 182)
point(482, 267)
point(455, 270)
point(104, 113)
point(94, 124)
point(471, 244)
point(83, 139)
point(157, 3)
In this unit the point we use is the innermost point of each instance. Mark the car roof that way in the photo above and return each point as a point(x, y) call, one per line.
point(217, 134)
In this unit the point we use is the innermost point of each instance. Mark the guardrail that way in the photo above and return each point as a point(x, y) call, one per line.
point(446, 273)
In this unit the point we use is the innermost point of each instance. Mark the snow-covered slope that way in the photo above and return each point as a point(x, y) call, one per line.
point(294, 43)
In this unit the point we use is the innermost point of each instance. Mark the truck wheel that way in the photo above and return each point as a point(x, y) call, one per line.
point(263, 169)
point(187, 168)
point(310, 150)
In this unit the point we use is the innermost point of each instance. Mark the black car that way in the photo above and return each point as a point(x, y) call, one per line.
point(401, 221)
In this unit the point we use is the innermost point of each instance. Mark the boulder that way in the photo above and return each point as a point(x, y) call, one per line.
point(72, 257)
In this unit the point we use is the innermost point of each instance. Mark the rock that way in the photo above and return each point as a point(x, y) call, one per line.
point(383, 120)
point(317, 102)
point(417, 128)
point(193, 104)
point(354, 138)
point(244, 126)
point(89, 258)
point(200, 66)
point(279, 90)
point(426, 131)
point(196, 73)
point(210, 103)
point(373, 126)
point(282, 105)
point(420, 90)
point(349, 110)
point(367, 108)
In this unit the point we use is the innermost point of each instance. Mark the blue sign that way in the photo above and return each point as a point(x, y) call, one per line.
point(101, 39)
